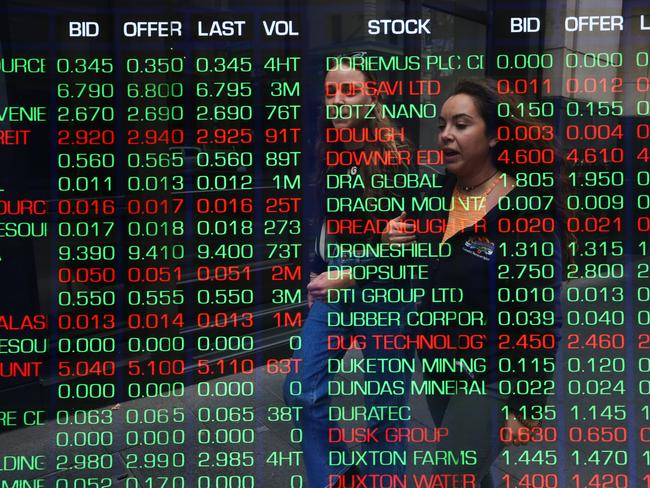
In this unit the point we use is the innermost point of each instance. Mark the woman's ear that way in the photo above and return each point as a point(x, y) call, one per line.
point(492, 142)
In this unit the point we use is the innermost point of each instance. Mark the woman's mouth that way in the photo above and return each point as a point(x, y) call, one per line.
point(450, 155)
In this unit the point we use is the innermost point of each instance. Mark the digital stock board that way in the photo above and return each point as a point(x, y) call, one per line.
point(282, 243)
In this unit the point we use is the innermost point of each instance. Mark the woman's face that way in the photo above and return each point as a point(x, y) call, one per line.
point(463, 138)
point(344, 88)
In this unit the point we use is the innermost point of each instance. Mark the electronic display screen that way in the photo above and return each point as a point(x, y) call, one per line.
point(282, 243)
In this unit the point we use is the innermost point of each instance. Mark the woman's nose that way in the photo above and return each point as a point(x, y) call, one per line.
point(445, 134)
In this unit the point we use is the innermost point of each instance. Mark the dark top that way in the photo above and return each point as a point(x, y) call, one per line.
point(518, 325)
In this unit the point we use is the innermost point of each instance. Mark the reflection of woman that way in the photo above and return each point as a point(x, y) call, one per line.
point(338, 321)
point(503, 272)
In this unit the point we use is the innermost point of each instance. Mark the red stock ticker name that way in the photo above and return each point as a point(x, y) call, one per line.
point(12, 346)
point(456, 480)
point(14, 137)
point(370, 135)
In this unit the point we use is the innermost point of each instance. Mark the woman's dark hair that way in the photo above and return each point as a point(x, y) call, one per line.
point(485, 99)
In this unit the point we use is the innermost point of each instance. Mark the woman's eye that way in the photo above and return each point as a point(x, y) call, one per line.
point(461, 126)
point(441, 127)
